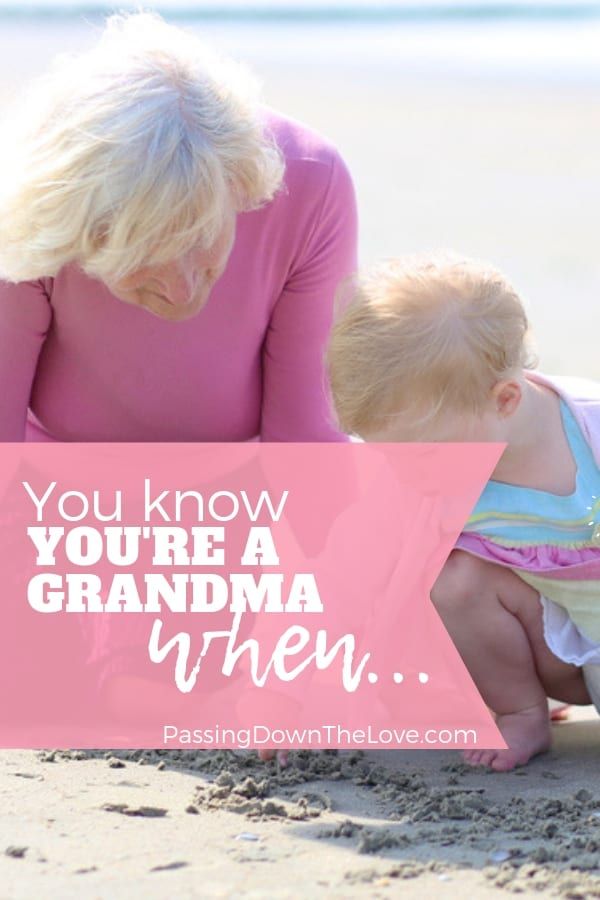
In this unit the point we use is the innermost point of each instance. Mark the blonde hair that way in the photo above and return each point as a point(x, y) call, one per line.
point(421, 335)
point(130, 154)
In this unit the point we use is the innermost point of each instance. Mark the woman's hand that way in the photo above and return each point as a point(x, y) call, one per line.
point(280, 755)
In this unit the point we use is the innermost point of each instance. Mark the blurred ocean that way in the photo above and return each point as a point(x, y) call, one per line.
point(325, 9)
point(522, 38)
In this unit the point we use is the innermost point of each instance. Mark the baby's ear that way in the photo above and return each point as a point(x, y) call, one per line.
point(507, 396)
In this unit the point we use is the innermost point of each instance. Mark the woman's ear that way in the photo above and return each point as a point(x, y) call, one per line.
point(507, 396)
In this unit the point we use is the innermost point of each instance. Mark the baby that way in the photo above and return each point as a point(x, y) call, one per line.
point(436, 349)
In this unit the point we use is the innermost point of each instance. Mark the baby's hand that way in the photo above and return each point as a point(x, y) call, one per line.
point(280, 755)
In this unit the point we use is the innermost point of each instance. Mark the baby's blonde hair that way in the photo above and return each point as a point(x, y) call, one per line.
point(423, 335)
point(130, 154)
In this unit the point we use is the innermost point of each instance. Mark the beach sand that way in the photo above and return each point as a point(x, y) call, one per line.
point(504, 170)
point(375, 824)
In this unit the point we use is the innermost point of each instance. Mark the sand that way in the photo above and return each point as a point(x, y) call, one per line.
point(195, 824)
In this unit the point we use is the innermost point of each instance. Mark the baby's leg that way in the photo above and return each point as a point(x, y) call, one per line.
point(495, 621)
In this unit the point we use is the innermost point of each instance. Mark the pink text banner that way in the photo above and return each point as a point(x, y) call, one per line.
point(234, 595)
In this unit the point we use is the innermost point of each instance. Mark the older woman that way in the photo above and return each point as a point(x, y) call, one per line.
point(169, 254)
point(169, 250)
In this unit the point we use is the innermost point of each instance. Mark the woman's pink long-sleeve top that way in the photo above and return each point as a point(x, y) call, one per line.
point(78, 364)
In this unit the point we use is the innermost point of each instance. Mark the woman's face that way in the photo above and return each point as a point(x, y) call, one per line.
point(178, 290)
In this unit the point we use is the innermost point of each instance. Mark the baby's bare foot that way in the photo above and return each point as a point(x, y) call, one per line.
point(559, 713)
point(527, 733)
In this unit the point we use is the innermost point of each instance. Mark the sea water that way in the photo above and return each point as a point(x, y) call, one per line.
point(549, 39)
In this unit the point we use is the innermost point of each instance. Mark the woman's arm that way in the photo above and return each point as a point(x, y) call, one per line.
point(296, 405)
point(25, 317)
